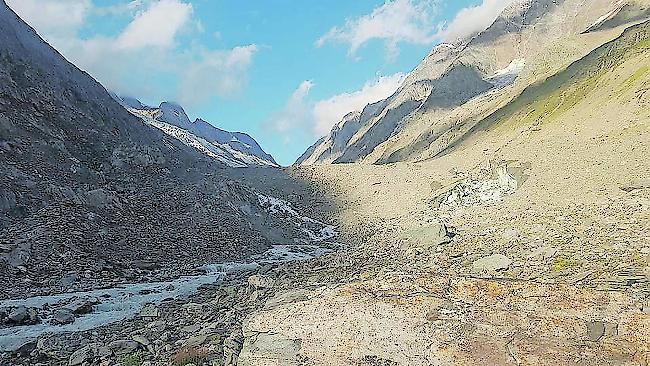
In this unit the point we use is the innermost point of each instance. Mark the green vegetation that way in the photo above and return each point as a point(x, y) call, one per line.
point(562, 263)
point(133, 359)
point(638, 74)
point(548, 99)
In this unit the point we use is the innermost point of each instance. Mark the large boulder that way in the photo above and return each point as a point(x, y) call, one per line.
point(22, 315)
point(428, 236)
point(491, 264)
point(63, 316)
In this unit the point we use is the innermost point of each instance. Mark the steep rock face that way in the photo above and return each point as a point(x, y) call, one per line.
point(56, 120)
point(88, 190)
point(235, 149)
point(458, 84)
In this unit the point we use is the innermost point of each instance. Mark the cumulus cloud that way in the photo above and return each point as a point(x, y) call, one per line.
point(145, 57)
point(118, 9)
point(157, 26)
point(296, 113)
point(329, 111)
point(55, 18)
point(316, 117)
point(473, 19)
point(393, 22)
point(221, 73)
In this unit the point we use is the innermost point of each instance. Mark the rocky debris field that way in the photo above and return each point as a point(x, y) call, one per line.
point(505, 289)
point(104, 237)
point(520, 239)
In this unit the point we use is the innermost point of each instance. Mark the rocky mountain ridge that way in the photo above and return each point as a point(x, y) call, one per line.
point(235, 149)
point(458, 84)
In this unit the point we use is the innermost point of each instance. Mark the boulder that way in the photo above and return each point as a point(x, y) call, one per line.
point(595, 330)
point(195, 341)
point(263, 346)
point(144, 342)
point(428, 236)
point(491, 264)
point(149, 311)
point(258, 281)
point(123, 346)
point(81, 356)
point(82, 306)
point(63, 316)
point(22, 315)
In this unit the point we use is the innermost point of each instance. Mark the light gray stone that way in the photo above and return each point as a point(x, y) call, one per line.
point(80, 356)
point(595, 330)
point(492, 263)
point(149, 311)
point(63, 316)
point(123, 346)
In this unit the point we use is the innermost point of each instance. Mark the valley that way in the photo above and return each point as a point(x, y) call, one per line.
point(495, 210)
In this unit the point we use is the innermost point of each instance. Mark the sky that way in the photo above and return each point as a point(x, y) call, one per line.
point(283, 71)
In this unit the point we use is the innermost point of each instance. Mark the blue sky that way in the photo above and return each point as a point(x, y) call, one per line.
point(283, 71)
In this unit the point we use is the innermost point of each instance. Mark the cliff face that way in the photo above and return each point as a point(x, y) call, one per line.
point(457, 85)
point(86, 186)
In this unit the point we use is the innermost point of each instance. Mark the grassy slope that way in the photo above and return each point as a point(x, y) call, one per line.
point(544, 102)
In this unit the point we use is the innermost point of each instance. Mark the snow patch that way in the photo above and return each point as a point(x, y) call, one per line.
point(474, 192)
point(214, 151)
point(508, 75)
point(316, 231)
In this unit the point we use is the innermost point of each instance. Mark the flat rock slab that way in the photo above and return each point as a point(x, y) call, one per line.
point(490, 264)
point(428, 236)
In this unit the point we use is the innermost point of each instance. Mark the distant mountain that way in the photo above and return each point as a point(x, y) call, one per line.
point(459, 84)
point(235, 149)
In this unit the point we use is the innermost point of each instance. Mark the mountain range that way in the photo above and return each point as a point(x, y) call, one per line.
point(86, 185)
point(458, 85)
point(494, 210)
point(235, 149)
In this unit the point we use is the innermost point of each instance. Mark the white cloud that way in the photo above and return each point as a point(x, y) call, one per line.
point(220, 73)
point(393, 22)
point(156, 26)
point(145, 59)
point(474, 19)
point(316, 118)
point(55, 18)
point(330, 111)
point(121, 8)
point(296, 113)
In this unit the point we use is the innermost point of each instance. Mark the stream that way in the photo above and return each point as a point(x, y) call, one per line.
point(126, 301)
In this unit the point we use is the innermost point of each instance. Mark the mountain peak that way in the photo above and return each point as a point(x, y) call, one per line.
point(235, 149)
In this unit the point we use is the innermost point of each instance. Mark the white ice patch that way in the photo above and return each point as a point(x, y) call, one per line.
point(214, 151)
point(507, 76)
point(288, 253)
point(246, 158)
point(275, 205)
point(317, 231)
point(220, 152)
point(472, 192)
